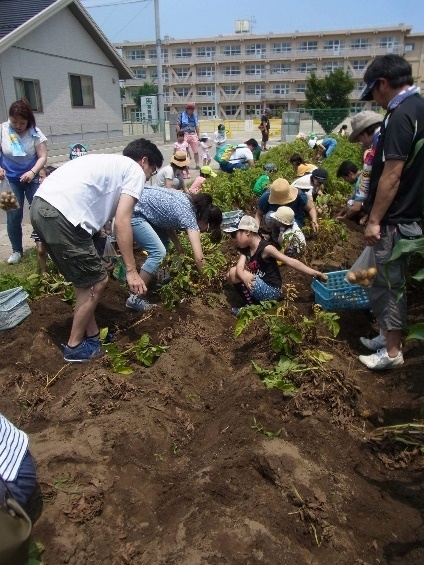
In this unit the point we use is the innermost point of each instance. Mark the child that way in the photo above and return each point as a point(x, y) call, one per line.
point(220, 136)
point(291, 237)
point(256, 276)
point(181, 145)
point(205, 173)
point(41, 248)
point(204, 149)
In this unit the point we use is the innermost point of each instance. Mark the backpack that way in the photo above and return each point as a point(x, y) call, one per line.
point(260, 185)
point(224, 153)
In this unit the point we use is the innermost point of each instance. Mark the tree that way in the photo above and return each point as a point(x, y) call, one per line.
point(329, 98)
point(145, 90)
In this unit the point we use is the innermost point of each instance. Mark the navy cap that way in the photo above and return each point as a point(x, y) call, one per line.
point(367, 94)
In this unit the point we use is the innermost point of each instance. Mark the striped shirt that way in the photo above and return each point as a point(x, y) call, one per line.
point(13, 447)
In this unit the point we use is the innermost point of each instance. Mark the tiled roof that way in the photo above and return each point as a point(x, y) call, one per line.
point(14, 13)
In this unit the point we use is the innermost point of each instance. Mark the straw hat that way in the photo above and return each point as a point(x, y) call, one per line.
point(303, 169)
point(362, 121)
point(180, 159)
point(284, 215)
point(282, 193)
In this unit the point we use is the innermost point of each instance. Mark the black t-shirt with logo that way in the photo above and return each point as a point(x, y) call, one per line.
point(266, 268)
point(402, 139)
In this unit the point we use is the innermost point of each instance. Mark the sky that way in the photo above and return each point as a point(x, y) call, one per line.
point(134, 20)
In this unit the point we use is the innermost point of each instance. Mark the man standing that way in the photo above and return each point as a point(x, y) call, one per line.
point(189, 124)
point(265, 126)
point(73, 204)
point(395, 199)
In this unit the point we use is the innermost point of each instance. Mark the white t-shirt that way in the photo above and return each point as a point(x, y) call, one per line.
point(164, 173)
point(304, 183)
point(220, 138)
point(13, 448)
point(241, 154)
point(86, 191)
point(293, 236)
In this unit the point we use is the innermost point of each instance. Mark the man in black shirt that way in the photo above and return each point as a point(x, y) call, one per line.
point(395, 199)
point(265, 126)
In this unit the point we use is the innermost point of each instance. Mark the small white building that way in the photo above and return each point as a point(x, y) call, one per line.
point(53, 54)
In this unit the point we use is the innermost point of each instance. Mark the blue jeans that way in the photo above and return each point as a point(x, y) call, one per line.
point(330, 144)
point(14, 217)
point(229, 167)
point(23, 486)
point(152, 239)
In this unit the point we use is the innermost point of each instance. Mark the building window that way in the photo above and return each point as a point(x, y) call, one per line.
point(254, 109)
point(359, 85)
point(181, 72)
point(255, 89)
point(231, 50)
point(280, 68)
point(206, 111)
point(206, 52)
point(280, 89)
point(29, 89)
point(136, 55)
point(182, 91)
point(359, 64)
point(409, 46)
point(206, 91)
point(360, 43)
point(82, 92)
point(329, 66)
point(231, 110)
point(335, 45)
point(375, 107)
point(182, 52)
point(389, 42)
point(154, 75)
point(301, 87)
point(230, 89)
point(357, 107)
point(206, 72)
point(231, 70)
point(282, 47)
point(140, 73)
point(256, 49)
point(308, 46)
point(256, 70)
point(307, 67)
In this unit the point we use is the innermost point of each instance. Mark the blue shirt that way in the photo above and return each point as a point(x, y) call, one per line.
point(167, 208)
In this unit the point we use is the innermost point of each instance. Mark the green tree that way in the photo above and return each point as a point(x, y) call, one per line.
point(329, 98)
point(145, 90)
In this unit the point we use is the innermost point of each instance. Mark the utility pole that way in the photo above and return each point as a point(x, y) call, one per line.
point(161, 106)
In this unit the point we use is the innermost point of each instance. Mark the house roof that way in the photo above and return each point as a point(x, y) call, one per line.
point(17, 19)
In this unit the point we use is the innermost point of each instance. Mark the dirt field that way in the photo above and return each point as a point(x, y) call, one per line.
point(166, 465)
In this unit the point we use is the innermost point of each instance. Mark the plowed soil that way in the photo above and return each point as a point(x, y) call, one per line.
point(174, 464)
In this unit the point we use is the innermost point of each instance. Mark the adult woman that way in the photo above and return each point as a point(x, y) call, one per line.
point(171, 176)
point(157, 216)
point(189, 124)
point(23, 155)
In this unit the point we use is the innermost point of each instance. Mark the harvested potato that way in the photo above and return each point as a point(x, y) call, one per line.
point(365, 282)
point(351, 277)
point(324, 278)
point(372, 271)
point(361, 274)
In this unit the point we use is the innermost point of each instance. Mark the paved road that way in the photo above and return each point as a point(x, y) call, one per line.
point(28, 243)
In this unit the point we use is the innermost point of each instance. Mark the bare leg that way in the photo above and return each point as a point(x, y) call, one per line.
point(393, 344)
point(42, 256)
point(84, 321)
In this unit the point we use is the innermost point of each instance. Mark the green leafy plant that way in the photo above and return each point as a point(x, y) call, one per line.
point(35, 550)
point(143, 352)
point(278, 377)
point(259, 427)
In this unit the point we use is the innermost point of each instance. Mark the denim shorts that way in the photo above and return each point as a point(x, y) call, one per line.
point(23, 486)
point(70, 247)
point(262, 291)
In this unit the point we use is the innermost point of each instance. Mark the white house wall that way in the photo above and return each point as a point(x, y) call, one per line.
point(56, 48)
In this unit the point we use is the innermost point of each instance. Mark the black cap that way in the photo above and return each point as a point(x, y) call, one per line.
point(320, 174)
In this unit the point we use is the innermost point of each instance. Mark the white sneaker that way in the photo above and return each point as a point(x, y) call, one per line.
point(377, 342)
point(380, 360)
point(14, 258)
point(136, 303)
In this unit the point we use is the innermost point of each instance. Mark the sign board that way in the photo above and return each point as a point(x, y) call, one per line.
point(77, 150)
point(149, 109)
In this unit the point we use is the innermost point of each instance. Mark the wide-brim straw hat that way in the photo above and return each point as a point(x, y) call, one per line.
point(362, 121)
point(180, 159)
point(281, 192)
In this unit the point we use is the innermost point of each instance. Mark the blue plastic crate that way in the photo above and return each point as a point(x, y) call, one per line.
point(13, 307)
point(337, 293)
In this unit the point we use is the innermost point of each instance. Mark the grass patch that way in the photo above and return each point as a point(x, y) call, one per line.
point(27, 266)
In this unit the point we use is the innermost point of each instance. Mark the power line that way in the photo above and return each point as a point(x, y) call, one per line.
point(119, 3)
